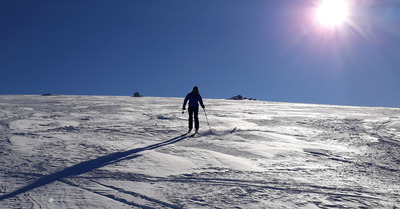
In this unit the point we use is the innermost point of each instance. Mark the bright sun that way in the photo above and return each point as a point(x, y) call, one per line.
point(332, 12)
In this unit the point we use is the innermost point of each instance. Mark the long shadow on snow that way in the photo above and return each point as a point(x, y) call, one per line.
point(90, 165)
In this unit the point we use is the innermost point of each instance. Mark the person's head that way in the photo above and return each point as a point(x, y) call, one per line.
point(196, 89)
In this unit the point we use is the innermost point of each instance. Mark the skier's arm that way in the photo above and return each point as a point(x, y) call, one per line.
point(201, 102)
point(185, 101)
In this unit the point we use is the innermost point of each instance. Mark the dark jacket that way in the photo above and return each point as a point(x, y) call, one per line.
point(194, 100)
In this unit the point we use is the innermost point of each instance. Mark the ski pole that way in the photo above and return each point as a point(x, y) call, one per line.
point(207, 120)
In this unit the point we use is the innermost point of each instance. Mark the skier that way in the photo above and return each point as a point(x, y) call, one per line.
point(194, 99)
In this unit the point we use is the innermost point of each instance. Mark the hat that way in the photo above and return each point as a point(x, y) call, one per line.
point(195, 88)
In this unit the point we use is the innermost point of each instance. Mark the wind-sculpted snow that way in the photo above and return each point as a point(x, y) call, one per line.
point(129, 152)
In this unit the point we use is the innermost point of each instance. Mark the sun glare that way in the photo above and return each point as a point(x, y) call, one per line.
point(332, 12)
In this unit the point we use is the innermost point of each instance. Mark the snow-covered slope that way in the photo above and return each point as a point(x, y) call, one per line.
point(126, 152)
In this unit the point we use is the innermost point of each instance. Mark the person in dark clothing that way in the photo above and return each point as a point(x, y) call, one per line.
point(194, 99)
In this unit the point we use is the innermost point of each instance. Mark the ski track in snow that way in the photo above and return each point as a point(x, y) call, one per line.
point(125, 152)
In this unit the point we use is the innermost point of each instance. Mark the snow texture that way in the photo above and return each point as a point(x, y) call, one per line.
point(129, 152)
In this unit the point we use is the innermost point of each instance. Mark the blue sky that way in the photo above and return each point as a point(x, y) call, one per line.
point(266, 49)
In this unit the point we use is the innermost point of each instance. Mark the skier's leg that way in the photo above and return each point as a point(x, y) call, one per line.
point(196, 118)
point(190, 119)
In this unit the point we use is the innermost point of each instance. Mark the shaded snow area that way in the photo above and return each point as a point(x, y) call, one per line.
point(128, 152)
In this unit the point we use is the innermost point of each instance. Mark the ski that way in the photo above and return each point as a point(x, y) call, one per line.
point(188, 134)
point(185, 134)
point(192, 135)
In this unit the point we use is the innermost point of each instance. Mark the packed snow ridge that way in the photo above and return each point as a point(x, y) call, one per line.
point(130, 152)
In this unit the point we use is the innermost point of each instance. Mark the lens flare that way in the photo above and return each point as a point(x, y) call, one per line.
point(332, 12)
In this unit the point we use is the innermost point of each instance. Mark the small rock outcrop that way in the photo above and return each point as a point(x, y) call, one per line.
point(240, 97)
point(137, 94)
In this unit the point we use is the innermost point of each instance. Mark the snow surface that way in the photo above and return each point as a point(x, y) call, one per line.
point(127, 152)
